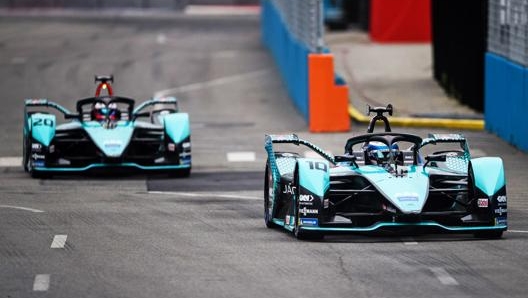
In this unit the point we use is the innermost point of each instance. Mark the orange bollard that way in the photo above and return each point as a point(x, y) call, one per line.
point(328, 103)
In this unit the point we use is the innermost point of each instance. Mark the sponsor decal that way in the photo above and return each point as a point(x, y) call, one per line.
point(171, 147)
point(36, 146)
point(502, 200)
point(52, 148)
point(483, 203)
point(38, 163)
point(501, 210)
point(407, 196)
point(304, 211)
point(306, 198)
point(499, 221)
point(113, 144)
point(186, 145)
point(185, 154)
point(289, 189)
point(309, 221)
point(287, 219)
point(408, 199)
point(326, 203)
point(36, 156)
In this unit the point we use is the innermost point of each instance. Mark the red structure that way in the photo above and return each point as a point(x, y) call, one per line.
point(400, 20)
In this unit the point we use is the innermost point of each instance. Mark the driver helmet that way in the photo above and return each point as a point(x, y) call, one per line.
point(101, 111)
point(379, 153)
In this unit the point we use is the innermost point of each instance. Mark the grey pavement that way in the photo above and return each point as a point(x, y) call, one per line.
point(396, 73)
point(151, 236)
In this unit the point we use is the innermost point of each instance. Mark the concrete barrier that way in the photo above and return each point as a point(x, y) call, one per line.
point(308, 77)
point(506, 100)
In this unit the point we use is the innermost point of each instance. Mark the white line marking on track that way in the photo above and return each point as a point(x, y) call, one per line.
point(211, 83)
point(18, 60)
point(12, 161)
point(59, 241)
point(221, 10)
point(41, 282)
point(21, 208)
point(241, 156)
point(204, 194)
point(409, 241)
point(443, 276)
point(517, 231)
point(161, 38)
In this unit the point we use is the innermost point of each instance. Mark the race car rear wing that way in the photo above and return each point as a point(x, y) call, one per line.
point(446, 138)
point(293, 139)
point(42, 102)
point(156, 101)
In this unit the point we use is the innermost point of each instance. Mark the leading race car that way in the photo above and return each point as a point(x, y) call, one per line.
point(385, 181)
point(106, 132)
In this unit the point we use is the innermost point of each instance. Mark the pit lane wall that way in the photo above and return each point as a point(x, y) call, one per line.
point(506, 71)
point(289, 31)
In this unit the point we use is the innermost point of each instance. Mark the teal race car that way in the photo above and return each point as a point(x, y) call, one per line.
point(106, 132)
point(384, 181)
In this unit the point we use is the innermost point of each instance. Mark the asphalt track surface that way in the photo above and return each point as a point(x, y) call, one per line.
point(152, 236)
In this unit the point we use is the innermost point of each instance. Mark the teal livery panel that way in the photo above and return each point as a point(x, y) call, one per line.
point(489, 174)
point(42, 128)
point(177, 126)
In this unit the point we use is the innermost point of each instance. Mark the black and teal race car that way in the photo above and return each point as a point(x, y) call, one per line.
point(106, 132)
point(385, 181)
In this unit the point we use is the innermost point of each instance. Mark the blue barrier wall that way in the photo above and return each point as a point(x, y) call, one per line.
point(291, 56)
point(506, 100)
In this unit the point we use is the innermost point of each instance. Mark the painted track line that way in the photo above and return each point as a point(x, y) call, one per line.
point(10, 161)
point(230, 10)
point(243, 156)
point(409, 241)
point(211, 83)
point(22, 208)
point(59, 241)
point(204, 194)
point(41, 283)
point(517, 231)
point(443, 276)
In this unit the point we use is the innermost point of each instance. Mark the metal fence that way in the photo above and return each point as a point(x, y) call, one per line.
point(508, 29)
point(304, 19)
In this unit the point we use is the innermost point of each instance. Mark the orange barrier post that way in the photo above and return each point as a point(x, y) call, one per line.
point(328, 103)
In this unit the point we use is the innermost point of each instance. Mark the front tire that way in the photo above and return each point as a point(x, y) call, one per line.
point(297, 231)
point(268, 188)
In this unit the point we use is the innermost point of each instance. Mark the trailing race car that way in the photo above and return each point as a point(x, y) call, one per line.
point(385, 181)
point(105, 132)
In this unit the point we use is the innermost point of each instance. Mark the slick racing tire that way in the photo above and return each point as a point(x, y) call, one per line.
point(268, 188)
point(297, 231)
point(26, 151)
